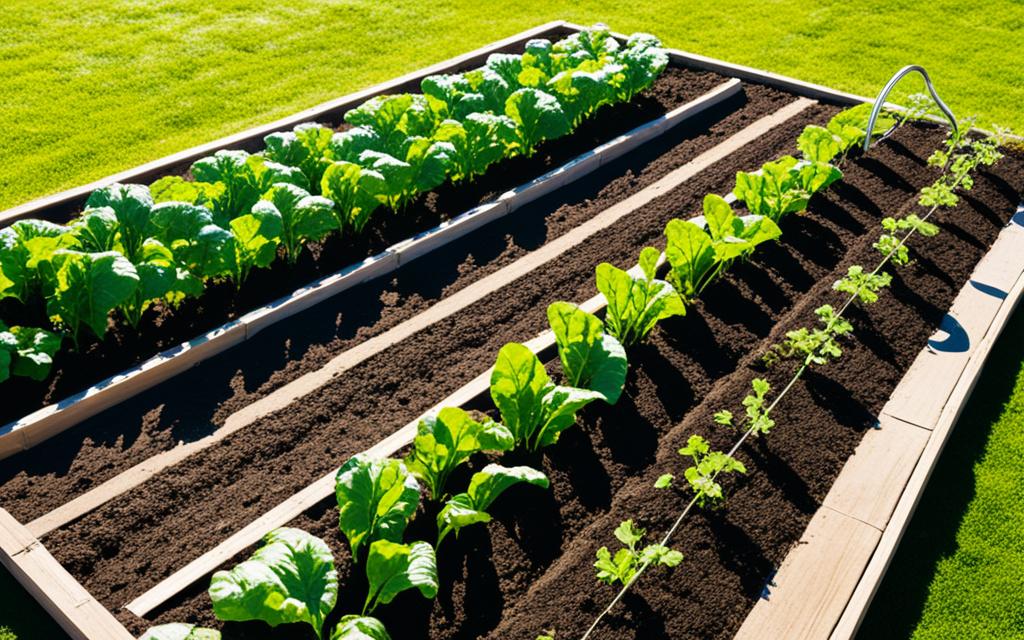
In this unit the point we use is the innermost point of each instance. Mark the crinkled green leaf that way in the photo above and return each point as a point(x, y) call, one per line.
point(255, 237)
point(95, 230)
point(304, 217)
point(392, 568)
point(177, 189)
point(87, 287)
point(354, 190)
point(476, 143)
point(636, 303)
point(591, 359)
point(160, 278)
point(27, 352)
point(348, 145)
point(132, 204)
point(376, 499)
point(446, 440)
point(538, 116)
point(817, 144)
point(291, 578)
point(485, 486)
point(691, 254)
point(354, 627)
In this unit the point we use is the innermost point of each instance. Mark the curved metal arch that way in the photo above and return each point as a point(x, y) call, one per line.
point(880, 100)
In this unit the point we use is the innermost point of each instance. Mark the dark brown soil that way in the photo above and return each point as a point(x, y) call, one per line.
point(99, 448)
point(531, 570)
point(164, 328)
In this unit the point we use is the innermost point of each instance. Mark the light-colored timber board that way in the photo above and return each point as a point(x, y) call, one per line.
point(853, 614)
point(329, 110)
point(67, 601)
point(56, 418)
point(881, 483)
point(809, 589)
point(310, 382)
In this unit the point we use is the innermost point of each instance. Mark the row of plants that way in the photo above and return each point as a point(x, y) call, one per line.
point(136, 246)
point(959, 156)
point(292, 577)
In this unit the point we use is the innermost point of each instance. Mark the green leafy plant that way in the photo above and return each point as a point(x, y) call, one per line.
point(291, 578)
point(395, 118)
point(87, 287)
point(534, 409)
point(244, 179)
point(636, 302)
point(304, 147)
point(814, 346)
point(623, 566)
point(355, 191)
point(180, 631)
point(464, 509)
point(252, 242)
point(304, 217)
point(26, 251)
point(376, 500)
point(758, 421)
point(477, 142)
point(591, 358)
point(538, 117)
point(132, 205)
point(27, 352)
point(392, 568)
point(353, 627)
point(160, 278)
point(702, 476)
point(865, 286)
point(446, 440)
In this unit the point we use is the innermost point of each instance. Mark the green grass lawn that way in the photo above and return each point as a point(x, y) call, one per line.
point(91, 87)
point(959, 571)
point(94, 86)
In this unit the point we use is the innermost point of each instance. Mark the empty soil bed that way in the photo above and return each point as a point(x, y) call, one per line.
point(196, 401)
point(164, 327)
point(531, 569)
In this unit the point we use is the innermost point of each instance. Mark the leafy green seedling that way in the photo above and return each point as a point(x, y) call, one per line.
point(623, 566)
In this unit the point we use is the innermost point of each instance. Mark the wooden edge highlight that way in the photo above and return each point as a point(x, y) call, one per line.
point(63, 597)
point(826, 582)
point(857, 606)
point(462, 299)
point(56, 418)
point(65, 199)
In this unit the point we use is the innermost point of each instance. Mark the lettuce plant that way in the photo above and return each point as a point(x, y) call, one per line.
point(455, 93)
point(291, 578)
point(304, 217)
point(132, 205)
point(422, 165)
point(623, 566)
point(160, 278)
point(253, 241)
point(26, 250)
point(354, 627)
point(86, 287)
point(535, 410)
point(392, 568)
point(581, 91)
point(355, 192)
point(304, 147)
point(446, 440)
point(636, 303)
point(180, 631)
point(27, 352)
point(538, 116)
point(485, 487)
point(591, 358)
point(395, 118)
point(477, 142)
point(642, 61)
point(376, 500)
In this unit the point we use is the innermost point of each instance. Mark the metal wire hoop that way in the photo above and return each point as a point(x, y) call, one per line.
point(899, 75)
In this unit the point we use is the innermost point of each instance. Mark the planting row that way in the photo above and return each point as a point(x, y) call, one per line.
point(136, 246)
point(377, 498)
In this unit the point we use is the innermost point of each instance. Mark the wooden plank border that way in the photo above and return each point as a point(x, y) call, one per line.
point(825, 584)
point(63, 597)
point(460, 300)
point(58, 417)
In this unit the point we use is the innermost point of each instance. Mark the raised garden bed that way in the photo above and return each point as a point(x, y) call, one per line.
point(277, 425)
